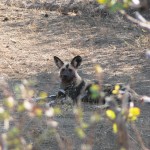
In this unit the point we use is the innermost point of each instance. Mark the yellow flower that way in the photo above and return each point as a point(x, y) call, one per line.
point(80, 132)
point(95, 117)
point(122, 148)
point(117, 87)
point(20, 108)
point(116, 90)
point(102, 1)
point(57, 111)
point(134, 112)
point(111, 114)
point(9, 102)
point(38, 112)
point(98, 69)
point(43, 95)
point(115, 128)
point(95, 87)
point(84, 125)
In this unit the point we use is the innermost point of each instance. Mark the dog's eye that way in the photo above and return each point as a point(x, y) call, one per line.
point(70, 70)
point(63, 70)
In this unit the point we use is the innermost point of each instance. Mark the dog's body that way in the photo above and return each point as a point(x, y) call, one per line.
point(73, 86)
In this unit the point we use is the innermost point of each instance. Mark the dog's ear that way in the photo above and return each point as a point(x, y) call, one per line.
point(59, 63)
point(76, 61)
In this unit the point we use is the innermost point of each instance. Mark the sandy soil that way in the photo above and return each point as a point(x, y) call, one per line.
point(29, 38)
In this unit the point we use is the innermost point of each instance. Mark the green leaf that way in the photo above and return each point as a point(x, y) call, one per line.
point(116, 7)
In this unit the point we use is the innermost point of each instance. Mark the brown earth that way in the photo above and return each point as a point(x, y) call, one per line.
point(29, 38)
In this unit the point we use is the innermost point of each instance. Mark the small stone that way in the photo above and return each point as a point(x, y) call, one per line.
point(5, 19)
point(46, 15)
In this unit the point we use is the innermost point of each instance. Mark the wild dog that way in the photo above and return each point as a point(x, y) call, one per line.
point(71, 83)
point(73, 86)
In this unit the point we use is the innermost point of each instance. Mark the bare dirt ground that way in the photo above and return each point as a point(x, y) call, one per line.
point(29, 38)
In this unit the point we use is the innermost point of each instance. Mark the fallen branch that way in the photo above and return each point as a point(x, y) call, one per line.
point(145, 99)
point(141, 22)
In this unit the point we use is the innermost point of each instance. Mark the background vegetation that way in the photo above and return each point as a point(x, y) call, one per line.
point(26, 27)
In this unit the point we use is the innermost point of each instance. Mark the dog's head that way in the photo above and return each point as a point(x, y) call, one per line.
point(68, 71)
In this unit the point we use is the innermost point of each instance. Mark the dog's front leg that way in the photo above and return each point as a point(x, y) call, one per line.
point(60, 96)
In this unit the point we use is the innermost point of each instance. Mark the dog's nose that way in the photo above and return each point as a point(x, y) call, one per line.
point(64, 76)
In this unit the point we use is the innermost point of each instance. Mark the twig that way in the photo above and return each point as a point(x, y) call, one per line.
point(145, 99)
point(145, 24)
point(60, 142)
point(140, 17)
point(133, 139)
point(139, 137)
